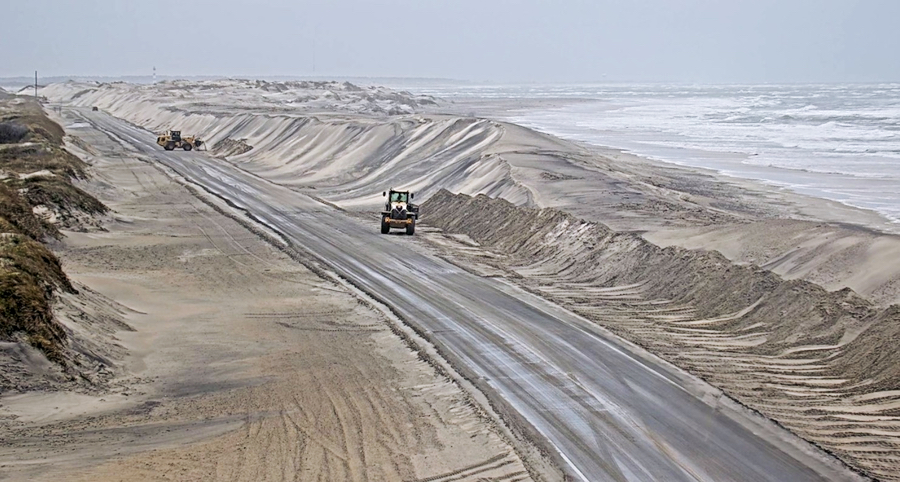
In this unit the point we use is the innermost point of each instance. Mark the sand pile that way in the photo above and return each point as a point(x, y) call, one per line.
point(819, 362)
point(831, 255)
point(231, 147)
point(348, 160)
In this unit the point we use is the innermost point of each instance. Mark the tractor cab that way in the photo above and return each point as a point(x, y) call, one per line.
point(398, 197)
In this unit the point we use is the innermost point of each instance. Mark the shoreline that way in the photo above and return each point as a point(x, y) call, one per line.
point(813, 206)
point(793, 235)
point(807, 205)
point(507, 110)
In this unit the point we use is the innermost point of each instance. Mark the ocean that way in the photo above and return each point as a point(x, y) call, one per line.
point(833, 141)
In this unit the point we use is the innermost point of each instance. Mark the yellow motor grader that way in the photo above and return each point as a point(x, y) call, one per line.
point(399, 212)
point(171, 140)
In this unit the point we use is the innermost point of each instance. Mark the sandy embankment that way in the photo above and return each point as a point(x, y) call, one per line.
point(802, 360)
point(243, 364)
point(814, 361)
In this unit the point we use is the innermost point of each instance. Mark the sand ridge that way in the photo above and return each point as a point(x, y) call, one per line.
point(813, 360)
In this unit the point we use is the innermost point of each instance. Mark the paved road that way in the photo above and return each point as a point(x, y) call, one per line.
point(612, 415)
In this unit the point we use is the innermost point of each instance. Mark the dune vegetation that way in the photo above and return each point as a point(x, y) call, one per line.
point(37, 196)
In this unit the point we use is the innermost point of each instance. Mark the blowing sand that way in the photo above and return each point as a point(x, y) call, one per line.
point(240, 364)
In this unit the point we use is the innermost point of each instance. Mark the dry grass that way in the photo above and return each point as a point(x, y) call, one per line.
point(16, 215)
point(28, 158)
point(27, 112)
point(29, 273)
point(61, 194)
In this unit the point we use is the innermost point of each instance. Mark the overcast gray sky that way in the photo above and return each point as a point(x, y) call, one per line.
point(494, 40)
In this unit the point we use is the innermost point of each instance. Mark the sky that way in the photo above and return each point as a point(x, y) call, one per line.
point(707, 41)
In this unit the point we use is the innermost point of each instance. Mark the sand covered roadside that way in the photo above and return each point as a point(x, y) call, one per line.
point(794, 360)
point(242, 365)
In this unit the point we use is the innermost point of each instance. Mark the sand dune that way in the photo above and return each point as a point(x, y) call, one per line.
point(814, 360)
point(351, 159)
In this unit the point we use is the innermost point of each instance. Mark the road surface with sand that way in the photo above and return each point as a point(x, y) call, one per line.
point(610, 410)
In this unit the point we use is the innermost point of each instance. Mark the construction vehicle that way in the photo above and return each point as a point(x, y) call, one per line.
point(399, 212)
point(171, 140)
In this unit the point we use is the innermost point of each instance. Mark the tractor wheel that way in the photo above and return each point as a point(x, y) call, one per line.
point(385, 227)
point(411, 227)
point(187, 146)
point(170, 146)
